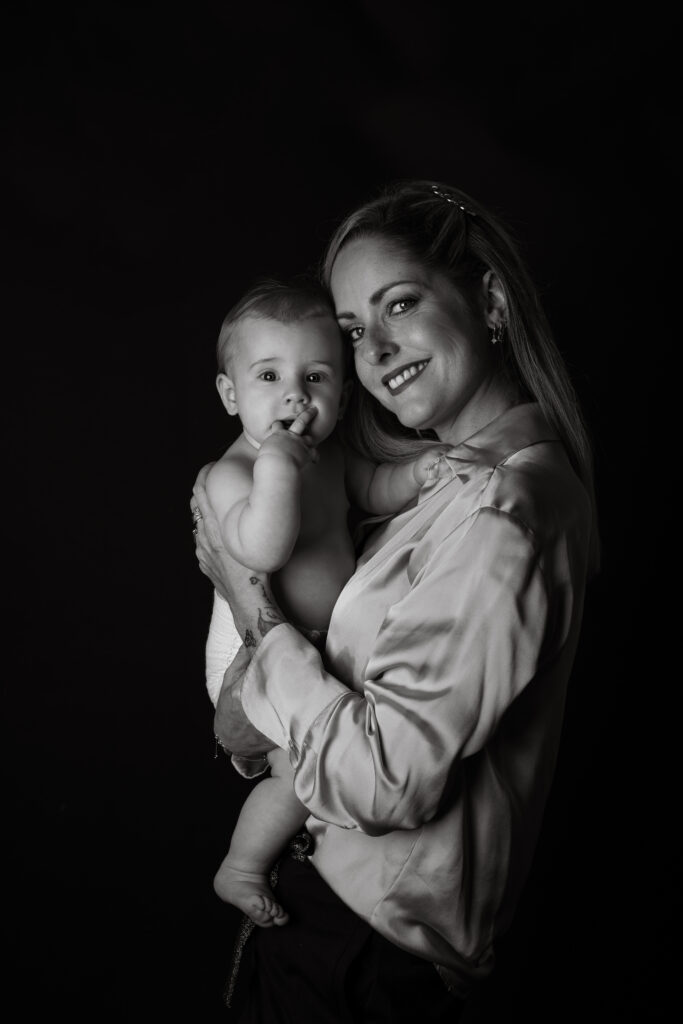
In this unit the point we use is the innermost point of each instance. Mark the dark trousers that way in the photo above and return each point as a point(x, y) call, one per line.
point(327, 966)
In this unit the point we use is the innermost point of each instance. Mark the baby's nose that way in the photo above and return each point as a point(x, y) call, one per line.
point(297, 398)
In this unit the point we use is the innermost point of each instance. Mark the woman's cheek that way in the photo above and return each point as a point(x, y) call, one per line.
point(364, 374)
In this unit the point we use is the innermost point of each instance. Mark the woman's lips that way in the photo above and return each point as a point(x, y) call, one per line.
point(398, 380)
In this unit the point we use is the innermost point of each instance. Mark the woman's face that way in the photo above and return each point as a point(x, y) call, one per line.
point(418, 348)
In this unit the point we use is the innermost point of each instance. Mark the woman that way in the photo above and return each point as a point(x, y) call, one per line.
point(425, 746)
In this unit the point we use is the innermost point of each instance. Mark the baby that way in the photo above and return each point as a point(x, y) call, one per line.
point(281, 498)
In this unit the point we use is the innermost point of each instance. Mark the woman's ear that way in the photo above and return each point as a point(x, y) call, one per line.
point(495, 303)
point(226, 389)
point(344, 400)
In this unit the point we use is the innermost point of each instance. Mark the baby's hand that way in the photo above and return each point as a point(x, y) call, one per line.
point(292, 443)
point(431, 465)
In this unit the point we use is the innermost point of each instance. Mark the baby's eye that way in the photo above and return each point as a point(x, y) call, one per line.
point(399, 306)
point(314, 377)
point(268, 376)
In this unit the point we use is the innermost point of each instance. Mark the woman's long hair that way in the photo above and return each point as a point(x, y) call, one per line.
point(446, 230)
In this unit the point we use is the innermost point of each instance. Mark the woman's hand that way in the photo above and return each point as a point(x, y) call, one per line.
point(231, 726)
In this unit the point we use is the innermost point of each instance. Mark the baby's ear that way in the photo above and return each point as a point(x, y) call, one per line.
point(226, 389)
point(344, 400)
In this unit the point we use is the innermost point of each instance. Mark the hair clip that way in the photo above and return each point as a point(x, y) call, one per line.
point(450, 198)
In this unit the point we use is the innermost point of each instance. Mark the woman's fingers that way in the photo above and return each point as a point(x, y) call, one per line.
point(205, 527)
point(199, 499)
point(203, 473)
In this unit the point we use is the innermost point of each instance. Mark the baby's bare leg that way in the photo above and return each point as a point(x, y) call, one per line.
point(271, 815)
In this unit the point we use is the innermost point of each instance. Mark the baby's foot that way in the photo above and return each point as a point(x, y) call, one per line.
point(250, 893)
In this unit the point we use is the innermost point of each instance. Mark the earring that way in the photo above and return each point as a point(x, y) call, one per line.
point(498, 332)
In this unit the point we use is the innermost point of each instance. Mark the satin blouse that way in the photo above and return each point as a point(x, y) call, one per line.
point(424, 745)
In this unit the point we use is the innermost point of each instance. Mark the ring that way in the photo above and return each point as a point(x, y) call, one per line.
point(194, 531)
point(196, 515)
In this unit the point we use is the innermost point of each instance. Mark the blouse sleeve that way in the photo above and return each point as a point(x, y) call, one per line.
point(450, 657)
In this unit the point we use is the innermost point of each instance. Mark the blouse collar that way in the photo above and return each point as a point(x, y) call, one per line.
point(516, 428)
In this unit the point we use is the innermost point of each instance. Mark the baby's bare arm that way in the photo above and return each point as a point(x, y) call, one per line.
point(389, 486)
point(258, 505)
point(258, 512)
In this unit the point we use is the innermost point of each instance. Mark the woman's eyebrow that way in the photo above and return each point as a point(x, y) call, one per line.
point(376, 297)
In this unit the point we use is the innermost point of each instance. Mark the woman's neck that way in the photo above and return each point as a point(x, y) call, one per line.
point(497, 399)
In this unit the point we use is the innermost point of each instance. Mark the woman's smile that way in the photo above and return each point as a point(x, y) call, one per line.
point(399, 380)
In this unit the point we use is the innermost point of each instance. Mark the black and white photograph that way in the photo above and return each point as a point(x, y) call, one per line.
point(343, 601)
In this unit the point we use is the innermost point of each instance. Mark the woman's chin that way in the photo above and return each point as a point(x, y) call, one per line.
point(414, 419)
point(414, 416)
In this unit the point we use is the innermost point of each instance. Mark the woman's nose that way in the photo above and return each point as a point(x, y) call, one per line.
point(376, 346)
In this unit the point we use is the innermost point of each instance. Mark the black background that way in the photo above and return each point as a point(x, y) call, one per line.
point(157, 160)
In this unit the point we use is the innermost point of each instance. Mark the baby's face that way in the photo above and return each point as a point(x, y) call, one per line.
point(278, 370)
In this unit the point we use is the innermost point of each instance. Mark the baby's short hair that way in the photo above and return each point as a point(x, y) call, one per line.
point(272, 299)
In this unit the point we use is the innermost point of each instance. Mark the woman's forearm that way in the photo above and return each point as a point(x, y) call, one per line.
point(255, 613)
point(253, 606)
point(232, 728)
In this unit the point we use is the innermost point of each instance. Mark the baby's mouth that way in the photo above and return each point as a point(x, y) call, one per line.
point(288, 422)
point(398, 380)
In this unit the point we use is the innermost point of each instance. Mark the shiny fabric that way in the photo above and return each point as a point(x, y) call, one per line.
point(425, 746)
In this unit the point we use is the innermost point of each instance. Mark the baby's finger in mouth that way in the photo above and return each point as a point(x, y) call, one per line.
point(300, 423)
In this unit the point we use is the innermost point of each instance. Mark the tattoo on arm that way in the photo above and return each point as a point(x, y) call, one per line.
point(267, 619)
point(269, 615)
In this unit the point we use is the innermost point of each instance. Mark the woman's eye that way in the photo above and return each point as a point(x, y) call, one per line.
point(400, 306)
point(314, 377)
point(267, 375)
point(355, 333)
